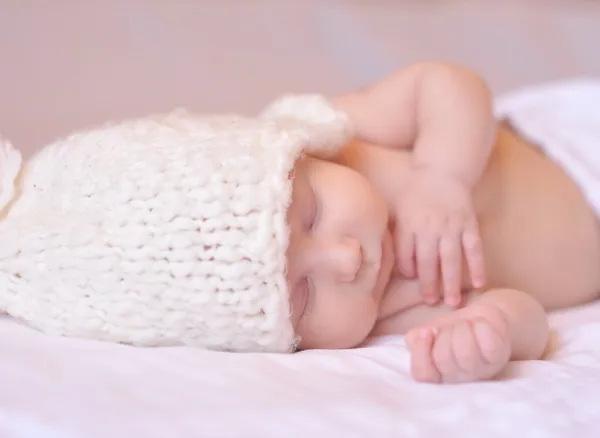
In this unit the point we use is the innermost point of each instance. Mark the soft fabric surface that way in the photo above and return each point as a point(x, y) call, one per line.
point(58, 388)
point(563, 119)
point(65, 64)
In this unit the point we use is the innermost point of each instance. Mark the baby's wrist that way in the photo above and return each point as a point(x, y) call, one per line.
point(439, 172)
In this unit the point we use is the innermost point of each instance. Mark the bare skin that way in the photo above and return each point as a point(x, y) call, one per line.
point(540, 238)
point(523, 240)
point(538, 232)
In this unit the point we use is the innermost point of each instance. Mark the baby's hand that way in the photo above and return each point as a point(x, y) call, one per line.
point(435, 224)
point(469, 348)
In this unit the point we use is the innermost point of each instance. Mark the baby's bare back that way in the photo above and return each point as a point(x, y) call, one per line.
point(539, 233)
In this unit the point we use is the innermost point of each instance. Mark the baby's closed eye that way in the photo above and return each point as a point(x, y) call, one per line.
point(313, 211)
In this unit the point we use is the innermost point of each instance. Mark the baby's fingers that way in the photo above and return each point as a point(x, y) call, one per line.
point(473, 249)
point(450, 263)
point(427, 249)
point(456, 353)
point(493, 347)
point(467, 352)
point(405, 251)
point(420, 343)
point(477, 352)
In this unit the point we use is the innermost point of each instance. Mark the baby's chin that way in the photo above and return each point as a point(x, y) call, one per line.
point(342, 331)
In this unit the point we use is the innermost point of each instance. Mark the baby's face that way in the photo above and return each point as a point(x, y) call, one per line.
point(340, 255)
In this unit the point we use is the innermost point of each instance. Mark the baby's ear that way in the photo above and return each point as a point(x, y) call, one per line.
point(325, 129)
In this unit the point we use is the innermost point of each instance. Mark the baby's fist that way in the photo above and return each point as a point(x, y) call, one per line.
point(471, 348)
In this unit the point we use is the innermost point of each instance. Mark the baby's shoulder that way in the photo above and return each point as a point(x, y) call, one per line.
point(384, 167)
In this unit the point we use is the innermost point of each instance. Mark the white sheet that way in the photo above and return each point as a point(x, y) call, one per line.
point(63, 388)
point(66, 64)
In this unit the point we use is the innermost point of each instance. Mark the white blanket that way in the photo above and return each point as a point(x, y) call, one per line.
point(61, 388)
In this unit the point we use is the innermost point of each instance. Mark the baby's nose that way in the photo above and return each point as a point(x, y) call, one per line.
point(345, 259)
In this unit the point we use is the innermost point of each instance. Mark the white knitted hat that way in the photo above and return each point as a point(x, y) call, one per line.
point(167, 230)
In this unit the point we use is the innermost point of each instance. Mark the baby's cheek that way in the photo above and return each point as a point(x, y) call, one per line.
point(336, 323)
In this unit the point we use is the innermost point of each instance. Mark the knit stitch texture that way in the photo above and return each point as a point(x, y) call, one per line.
point(164, 230)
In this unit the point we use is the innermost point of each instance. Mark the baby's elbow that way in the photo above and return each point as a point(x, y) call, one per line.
point(450, 72)
point(456, 80)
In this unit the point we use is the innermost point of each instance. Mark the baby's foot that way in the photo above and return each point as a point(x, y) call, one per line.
point(470, 348)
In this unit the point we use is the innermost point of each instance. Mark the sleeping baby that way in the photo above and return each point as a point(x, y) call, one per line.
point(465, 230)
point(417, 206)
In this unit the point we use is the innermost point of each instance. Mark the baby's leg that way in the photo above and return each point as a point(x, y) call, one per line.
point(477, 341)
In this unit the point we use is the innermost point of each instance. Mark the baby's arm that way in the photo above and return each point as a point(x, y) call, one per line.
point(443, 113)
point(477, 341)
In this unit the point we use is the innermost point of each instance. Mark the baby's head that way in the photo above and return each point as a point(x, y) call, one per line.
point(334, 241)
point(242, 239)
point(339, 256)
